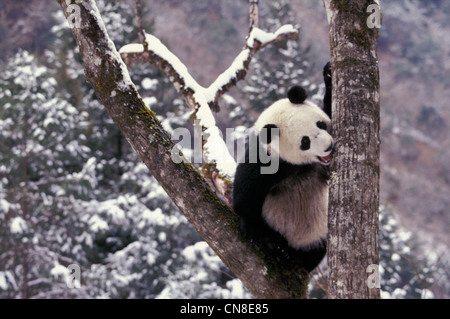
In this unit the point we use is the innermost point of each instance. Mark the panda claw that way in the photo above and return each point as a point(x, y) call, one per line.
point(327, 75)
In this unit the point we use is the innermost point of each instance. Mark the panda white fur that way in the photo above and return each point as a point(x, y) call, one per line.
point(289, 208)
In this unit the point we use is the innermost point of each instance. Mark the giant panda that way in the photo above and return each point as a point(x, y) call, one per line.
point(289, 207)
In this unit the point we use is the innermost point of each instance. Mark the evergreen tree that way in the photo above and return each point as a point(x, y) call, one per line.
point(406, 270)
point(44, 171)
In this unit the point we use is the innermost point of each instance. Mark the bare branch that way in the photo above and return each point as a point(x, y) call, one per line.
point(321, 281)
point(254, 14)
point(327, 5)
point(138, 12)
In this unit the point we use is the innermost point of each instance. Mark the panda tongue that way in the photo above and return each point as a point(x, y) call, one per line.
point(326, 159)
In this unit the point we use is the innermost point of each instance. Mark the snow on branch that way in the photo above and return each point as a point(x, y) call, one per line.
point(256, 40)
point(197, 97)
point(264, 39)
point(203, 101)
point(158, 54)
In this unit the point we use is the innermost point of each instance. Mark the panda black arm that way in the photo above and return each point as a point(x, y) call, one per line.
point(249, 191)
point(328, 89)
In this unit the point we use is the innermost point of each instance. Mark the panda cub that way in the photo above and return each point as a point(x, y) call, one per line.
point(288, 208)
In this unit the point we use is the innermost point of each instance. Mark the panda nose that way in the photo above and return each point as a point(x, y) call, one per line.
point(329, 149)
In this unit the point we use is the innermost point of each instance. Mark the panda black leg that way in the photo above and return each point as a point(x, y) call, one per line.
point(328, 89)
point(311, 258)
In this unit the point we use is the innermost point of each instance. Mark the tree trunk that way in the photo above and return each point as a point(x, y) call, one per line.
point(354, 193)
point(255, 266)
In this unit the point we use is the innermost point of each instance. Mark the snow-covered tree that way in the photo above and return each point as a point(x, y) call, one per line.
point(407, 270)
point(44, 170)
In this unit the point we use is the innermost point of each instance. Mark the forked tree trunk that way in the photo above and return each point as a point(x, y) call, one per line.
point(354, 193)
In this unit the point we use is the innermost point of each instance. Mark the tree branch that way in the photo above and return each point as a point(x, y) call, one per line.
point(256, 267)
point(140, 29)
point(327, 5)
point(254, 14)
point(158, 55)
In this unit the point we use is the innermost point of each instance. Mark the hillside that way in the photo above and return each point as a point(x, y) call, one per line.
point(414, 51)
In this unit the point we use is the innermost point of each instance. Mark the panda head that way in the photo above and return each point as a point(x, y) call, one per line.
point(304, 130)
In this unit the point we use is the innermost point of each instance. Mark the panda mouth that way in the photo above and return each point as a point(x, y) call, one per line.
point(326, 159)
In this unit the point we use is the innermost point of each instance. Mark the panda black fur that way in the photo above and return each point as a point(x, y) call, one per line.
point(289, 208)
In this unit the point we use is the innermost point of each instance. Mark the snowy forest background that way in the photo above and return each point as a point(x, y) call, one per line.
point(72, 191)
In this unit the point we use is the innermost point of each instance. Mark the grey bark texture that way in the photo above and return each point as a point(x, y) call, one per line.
point(354, 191)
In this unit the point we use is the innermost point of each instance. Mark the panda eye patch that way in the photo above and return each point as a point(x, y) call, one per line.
point(322, 125)
point(306, 143)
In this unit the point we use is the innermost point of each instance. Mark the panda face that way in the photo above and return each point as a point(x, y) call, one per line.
point(304, 128)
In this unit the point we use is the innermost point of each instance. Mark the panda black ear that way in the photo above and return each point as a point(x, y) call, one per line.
point(297, 95)
point(266, 134)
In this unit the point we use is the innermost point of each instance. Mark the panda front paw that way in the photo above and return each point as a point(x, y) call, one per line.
point(247, 231)
point(327, 75)
point(251, 231)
